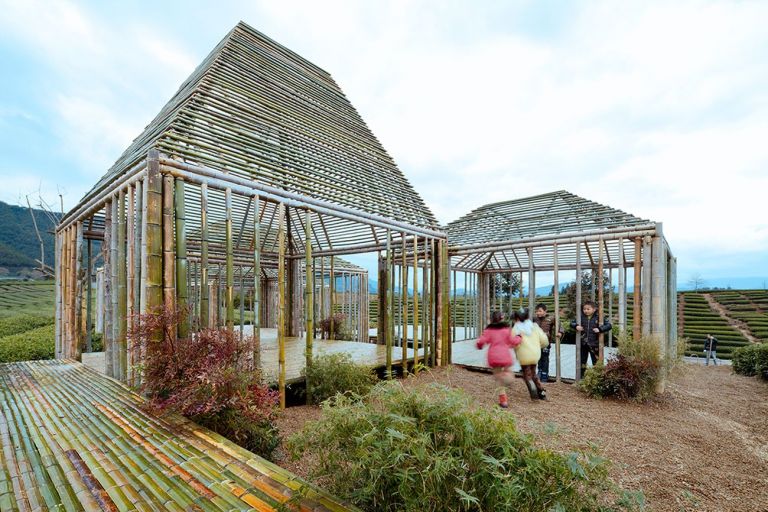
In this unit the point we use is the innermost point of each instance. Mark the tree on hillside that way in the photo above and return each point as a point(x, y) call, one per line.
point(505, 286)
point(696, 281)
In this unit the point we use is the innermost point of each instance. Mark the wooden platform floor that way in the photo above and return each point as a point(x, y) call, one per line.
point(465, 353)
point(73, 439)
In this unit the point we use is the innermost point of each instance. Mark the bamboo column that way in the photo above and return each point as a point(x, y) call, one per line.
point(416, 305)
point(169, 252)
point(446, 264)
point(182, 293)
point(154, 241)
point(113, 350)
point(426, 304)
point(390, 298)
point(204, 288)
point(439, 291)
point(381, 306)
point(256, 283)
point(434, 299)
point(89, 298)
point(578, 311)
point(122, 290)
point(323, 316)
point(332, 300)
point(130, 258)
point(454, 308)
point(106, 248)
point(79, 274)
point(281, 302)
point(636, 315)
point(58, 349)
point(645, 286)
point(404, 306)
point(622, 289)
point(230, 300)
point(558, 369)
point(600, 299)
point(610, 304)
point(309, 305)
point(531, 282)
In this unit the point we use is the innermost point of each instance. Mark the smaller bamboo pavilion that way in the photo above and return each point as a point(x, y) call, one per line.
point(561, 232)
point(241, 194)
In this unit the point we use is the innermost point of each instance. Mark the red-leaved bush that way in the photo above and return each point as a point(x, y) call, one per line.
point(208, 377)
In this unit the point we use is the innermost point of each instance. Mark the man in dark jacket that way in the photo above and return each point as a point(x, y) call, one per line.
point(547, 324)
point(590, 329)
point(710, 349)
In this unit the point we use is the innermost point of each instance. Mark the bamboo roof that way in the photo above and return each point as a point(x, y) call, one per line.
point(506, 236)
point(255, 110)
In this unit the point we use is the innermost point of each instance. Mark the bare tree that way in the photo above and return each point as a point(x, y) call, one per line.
point(696, 281)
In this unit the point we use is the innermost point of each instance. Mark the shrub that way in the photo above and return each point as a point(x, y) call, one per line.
point(207, 378)
point(339, 327)
point(21, 323)
point(29, 345)
point(330, 374)
point(751, 360)
point(428, 449)
point(632, 375)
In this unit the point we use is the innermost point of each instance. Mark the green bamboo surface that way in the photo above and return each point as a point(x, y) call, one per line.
point(72, 439)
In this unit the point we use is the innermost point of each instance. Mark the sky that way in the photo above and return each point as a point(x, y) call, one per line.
point(659, 109)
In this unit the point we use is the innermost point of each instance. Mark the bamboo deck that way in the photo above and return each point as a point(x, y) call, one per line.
point(75, 440)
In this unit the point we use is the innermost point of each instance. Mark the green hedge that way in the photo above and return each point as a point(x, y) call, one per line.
point(30, 345)
point(751, 360)
point(21, 323)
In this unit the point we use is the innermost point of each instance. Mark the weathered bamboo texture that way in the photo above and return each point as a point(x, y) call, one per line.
point(281, 320)
point(169, 246)
point(130, 261)
point(204, 291)
point(578, 312)
point(404, 310)
point(230, 299)
point(600, 300)
point(154, 242)
point(122, 289)
point(390, 298)
point(309, 304)
point(182, 292)
point(113, 351)
point(256, 283)
point(415, 306)
point(556, 286)
point(636, 310)
point(79, 341)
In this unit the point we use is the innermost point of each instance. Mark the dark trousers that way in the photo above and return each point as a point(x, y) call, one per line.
point(544, 364)
point(588, 351)
point(532, 381)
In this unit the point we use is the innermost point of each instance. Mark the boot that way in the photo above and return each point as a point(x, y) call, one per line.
point(542, 394)
point(532, 389)
point(503, 402)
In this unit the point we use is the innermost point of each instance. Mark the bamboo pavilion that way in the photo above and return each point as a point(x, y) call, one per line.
point(241, 193)
point(561, 232)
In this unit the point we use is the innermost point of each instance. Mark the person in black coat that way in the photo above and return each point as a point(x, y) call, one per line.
point(710, 349)
point(590, 329)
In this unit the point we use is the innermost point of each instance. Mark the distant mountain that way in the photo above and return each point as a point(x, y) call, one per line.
point(19, 246)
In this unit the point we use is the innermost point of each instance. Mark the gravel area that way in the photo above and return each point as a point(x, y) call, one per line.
point(703, 445)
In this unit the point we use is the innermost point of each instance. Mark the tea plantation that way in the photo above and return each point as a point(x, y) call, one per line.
point(26, 320)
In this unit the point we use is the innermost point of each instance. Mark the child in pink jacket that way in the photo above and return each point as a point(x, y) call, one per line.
point(499, 337)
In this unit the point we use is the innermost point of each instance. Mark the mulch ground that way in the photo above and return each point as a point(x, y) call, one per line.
point(703, 445)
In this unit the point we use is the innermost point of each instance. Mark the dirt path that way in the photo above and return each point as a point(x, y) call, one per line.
point(739, 325)
point(702, 446)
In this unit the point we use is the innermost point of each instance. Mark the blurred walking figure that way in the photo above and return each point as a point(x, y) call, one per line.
point(529, 351)
point(547, 324)
point(500, 358)
point(710, 349)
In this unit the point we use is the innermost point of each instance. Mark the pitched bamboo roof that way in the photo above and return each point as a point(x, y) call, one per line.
point(498, 236)
point(258, 111)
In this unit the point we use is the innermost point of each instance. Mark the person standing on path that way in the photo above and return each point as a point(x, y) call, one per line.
point(499, 338)
point(547, 324)
point(710, 349)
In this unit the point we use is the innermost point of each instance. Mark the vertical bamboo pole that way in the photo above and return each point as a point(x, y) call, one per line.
point(230, 300)
point(323, 316)
point(113, 352)
point(79, 275)
point(281, 327)
point(154, 241)
point(645, 286)
point(138, 243)
point(521, 290)
point(309, 305)
point(182, 293)
point(446, 267)
point(454, 308)
point(600, 299)
point(636, 315)
point(130, 278)
point(531, 282)
point(432, 301)
point(106, 248)
point(204, 288)
point(67, 294)
point(169, 252)
point(465, 308)
point(404, 302)
point(58, 280)
point(610, 305)
point(122, 297)
point(558, 370)
point(578, 311)
point(425, 301)
point(89, 298)
point(416, 304)
point(256, 283)
point(390, 298)
point(241, 295)
point(622, 289)
point(440, 298)
point(332, 300)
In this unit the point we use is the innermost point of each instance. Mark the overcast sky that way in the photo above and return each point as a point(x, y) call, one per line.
point(659, 109)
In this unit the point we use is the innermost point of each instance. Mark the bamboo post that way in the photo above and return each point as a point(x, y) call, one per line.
point(578, 312)
point(230, 300)
point(381, 306)
point(558, 369)
point(204, 288)
point(645, 286)
point(309, 305)
point(182, 293)
point(390, 327)
point(256, 284)
point(622, 289)
point(454, 308)
point(323, 316)
point(440, 298)
point(113, 351)
point(281, 327)
point(79, 274)
point(636, 315)
point(446, 264)
point(332, 300)
point(154, 242)
point(130, 277)
point(58, 299)
point(658, 289)
point(416, 305)
point(434, 326)
point(426, 302)
point(89, 298)
point(531, 281)
point(169, 252)
point(600, 300)
point(106, 248)
point(122, 290)
point(404, 306)
point(610, 305)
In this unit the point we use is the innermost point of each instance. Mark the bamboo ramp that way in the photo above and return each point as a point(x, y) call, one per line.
point(73, 439)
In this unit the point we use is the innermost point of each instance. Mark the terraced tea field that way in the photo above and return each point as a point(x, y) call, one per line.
point(26, 320)
point(26, 297)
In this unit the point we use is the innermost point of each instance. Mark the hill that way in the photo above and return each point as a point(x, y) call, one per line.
point(19, 246)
